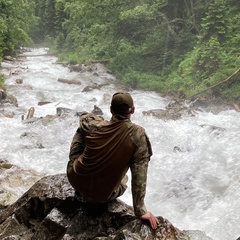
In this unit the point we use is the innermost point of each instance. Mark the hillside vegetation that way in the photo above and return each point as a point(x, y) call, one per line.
point(167, 46)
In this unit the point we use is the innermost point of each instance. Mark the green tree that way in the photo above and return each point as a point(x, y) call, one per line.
point(214, 33)
point(167, 45)
point(16, 18)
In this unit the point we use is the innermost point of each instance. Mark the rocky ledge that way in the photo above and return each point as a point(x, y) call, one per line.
point(51, 210)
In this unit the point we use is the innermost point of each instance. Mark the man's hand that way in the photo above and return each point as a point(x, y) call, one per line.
point(151, 218)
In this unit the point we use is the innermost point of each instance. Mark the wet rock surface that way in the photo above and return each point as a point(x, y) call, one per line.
point(51, 210)
point(13, 177)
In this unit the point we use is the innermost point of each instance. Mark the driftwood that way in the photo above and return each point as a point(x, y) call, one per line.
point(213, 86)
point(236, 107)
point(69, 81)
point(31, 111)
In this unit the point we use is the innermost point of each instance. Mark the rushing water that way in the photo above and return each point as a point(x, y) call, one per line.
point(195, 188)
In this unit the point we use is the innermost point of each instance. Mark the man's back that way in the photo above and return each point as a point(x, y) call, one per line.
point(105, 160)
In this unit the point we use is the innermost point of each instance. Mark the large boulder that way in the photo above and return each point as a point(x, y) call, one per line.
point(51, 210)
point(14, 181)
point(8, 98)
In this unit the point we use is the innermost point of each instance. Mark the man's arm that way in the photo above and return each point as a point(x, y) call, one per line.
point(139, 178)
point(139, 168)
point(77, 145)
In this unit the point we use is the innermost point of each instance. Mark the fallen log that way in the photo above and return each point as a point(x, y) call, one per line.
point(213, 86)
point(69, 81)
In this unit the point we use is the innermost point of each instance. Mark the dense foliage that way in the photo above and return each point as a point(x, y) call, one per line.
point(163, 45)
point(17, 18)
point(16, 22)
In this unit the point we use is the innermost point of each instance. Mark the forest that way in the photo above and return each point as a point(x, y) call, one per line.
point(170, 46)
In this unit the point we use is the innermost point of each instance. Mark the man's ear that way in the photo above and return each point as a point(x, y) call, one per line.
point(133, 110)
point(111, 109)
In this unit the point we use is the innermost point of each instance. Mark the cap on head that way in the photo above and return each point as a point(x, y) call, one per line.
point(122, 102)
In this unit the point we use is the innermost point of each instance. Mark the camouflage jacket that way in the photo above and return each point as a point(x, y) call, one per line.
point(118, 144)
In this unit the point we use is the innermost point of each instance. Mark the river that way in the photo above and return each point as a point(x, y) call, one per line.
point(197, 188)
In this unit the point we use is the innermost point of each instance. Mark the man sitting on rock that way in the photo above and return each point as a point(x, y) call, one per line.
point(101, 153)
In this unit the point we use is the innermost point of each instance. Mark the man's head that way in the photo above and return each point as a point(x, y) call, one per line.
point(122, 103)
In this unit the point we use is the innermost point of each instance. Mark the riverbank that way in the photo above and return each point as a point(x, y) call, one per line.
point(209, 102)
